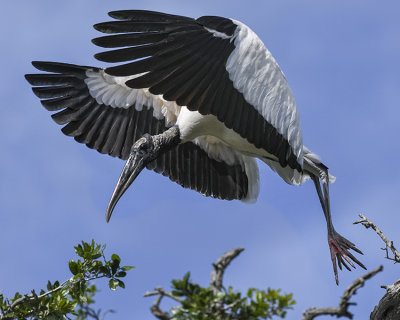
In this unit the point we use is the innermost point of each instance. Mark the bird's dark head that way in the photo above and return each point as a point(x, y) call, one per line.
point(144, 148)
point(142, 152)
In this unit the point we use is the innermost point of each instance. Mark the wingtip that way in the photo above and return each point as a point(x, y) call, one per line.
point(29, 78)
point(48, 66)
point(125, 14)
point(37, 64)
point(98, 55)
point(114, 14)
point(98, 27)
point(98, 41)
point(104, 42)
point(106, 27)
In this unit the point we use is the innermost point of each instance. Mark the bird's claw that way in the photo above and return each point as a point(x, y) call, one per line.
point(339, 247)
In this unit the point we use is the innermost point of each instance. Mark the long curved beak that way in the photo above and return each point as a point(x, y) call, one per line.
point(133, 166)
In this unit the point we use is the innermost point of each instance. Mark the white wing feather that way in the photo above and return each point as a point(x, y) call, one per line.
point(255, 73)
point(112, 91)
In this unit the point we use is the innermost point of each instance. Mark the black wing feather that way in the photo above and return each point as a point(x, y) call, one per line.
point(184, 80)
point(146, 15)
point(114, 131)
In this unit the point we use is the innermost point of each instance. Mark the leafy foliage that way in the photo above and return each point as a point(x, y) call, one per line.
point(74, 296)
point(198, 303)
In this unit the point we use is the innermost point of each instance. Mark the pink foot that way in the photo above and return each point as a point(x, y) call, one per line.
point(339, 247)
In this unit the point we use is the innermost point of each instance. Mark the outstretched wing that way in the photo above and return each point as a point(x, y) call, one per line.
point(113, 127)
point(213, 65)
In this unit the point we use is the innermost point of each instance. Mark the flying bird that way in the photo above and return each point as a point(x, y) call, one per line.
point(197, 100)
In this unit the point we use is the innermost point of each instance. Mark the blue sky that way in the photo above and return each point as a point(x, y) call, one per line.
point(341, 59)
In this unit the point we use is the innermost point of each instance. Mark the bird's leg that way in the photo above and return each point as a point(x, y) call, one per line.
point(143, 151)
point(338, 245)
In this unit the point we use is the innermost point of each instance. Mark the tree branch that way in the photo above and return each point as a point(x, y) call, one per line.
point(389, 306)
point(30, 296)
point(215, 283)
point(155, 308)
point(389, 244)
point(219, 268)
point(161, 291)
point(218, 273)
point(342, 309)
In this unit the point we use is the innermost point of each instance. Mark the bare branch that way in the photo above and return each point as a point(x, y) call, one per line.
point(155, 308)
point(341, 310)
point(219, 268)
point(157, 312)
point(161, 291)
point(389, 244)
point(218, 273)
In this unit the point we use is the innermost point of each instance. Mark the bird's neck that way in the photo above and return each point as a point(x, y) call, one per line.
point(166, 140)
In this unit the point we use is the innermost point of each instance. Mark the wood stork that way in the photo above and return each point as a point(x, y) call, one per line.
point(198, 100)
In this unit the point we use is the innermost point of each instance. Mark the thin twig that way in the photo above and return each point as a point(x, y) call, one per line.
point(161, 291)
point(367, 223)
point(155, 308)
point(342, 309)
point(30, 296)
point(61, 286)
point(232, 305)
point(107, 311)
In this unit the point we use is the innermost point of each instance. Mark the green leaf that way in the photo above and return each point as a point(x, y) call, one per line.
point(127, 268)
point(120, 274)
point(115, 263)
point(79, 250)
point(96, 256)
point(115, 257)
point(105, 271)
point(73, 267)
point(86, 246)
point(186, 277)
point(121, 284)
point(113, 284)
